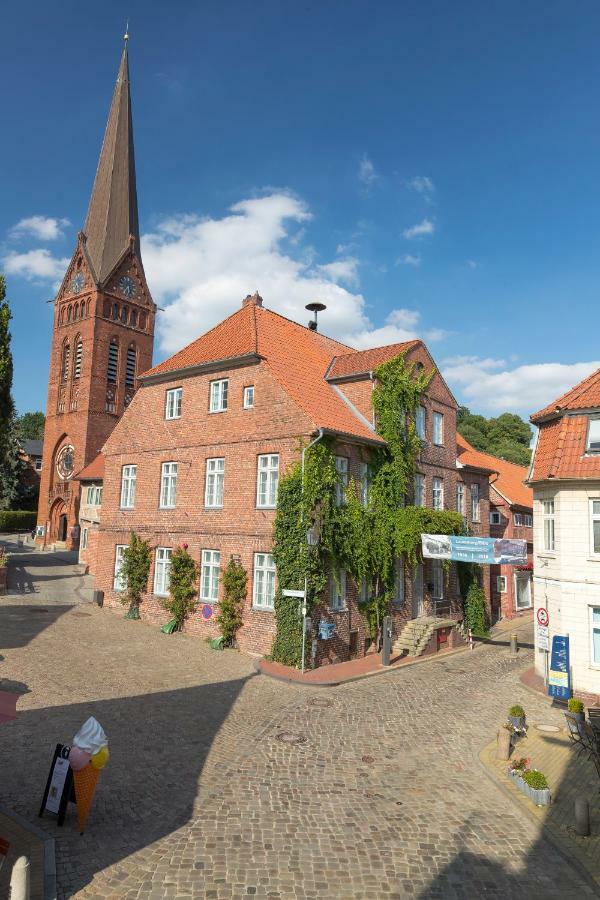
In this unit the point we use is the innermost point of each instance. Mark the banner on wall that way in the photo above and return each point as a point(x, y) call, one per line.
point(490, 551)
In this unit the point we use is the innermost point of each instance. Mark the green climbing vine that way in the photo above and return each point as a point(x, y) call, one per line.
point(229, 619)
point(364, 538)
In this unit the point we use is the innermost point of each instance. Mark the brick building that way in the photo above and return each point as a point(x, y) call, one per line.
point(103, 328)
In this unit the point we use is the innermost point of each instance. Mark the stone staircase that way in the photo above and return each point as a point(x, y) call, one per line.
point(415, 635)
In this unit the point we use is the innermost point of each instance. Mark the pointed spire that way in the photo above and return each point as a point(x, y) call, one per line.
point(113, 214)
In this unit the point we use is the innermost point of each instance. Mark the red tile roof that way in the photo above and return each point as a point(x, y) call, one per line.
point(359, 361)
point(585, 395)
point(560, 450)
point(94, 471)
point(508, 478)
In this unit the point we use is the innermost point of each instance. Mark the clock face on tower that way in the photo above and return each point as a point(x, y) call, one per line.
point(127, 286)
point(65, 462)
point(78, 283)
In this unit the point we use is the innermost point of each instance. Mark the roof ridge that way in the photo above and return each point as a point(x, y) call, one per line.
point(568, 396)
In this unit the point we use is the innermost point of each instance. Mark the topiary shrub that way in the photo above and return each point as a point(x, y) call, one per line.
point(17, 520)
point(183, 575)
point(475, 610)
point(536, 780)
point(134, 572)
point(516, 711)
point(235, 581)
point(575, 706)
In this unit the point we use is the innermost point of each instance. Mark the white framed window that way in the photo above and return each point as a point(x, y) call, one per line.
point(593, 436)
point(528, 520)
point(84, 538)
point(128, 479)
point(363, 591)
point(438, 493)
point(263, 589)
point(267, 481)
point(419, 489)
point(162, 570)
point(522, 590)
point(97, 496)
point(475, 503)
point(168, 485)
point(399, 591)
point(438, 429)
point(119, 583)
point(496, 519)
point(89, 497)
point(460, 497)
point(337, 590)
point(365, 483)
point(595, 635)
point(38, 465)
point(518, 518)
point(209, 575)
point(437, 573)
point(595, 527)
point(248, 397)
point(218, 395)
point(548, 520)
point(420, 419)
point(501, 584)
point(215, 482)
point(341, 467)
point(173, 400)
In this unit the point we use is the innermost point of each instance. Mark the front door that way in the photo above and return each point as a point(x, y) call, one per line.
point(62, 528)
point(523, 590)
point(417, 592)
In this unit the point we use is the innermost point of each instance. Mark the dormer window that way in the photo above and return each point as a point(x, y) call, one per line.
point(593, 439)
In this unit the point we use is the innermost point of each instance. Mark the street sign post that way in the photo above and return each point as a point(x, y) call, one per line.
point(300, 595)
point(543, 617)
point(543, 637)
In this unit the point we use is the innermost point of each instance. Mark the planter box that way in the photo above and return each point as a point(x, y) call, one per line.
point(3, 577)
point(540, 798)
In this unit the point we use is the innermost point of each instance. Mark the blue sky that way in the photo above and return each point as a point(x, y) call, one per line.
point(423, 168)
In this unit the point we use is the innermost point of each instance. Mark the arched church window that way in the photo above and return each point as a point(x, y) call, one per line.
point(62, 316)
point(69, 313)
point(106, 309)
point(124, 312)
point(82, 309)
point(142, 320)
point(66, 356)
point(130, 366)
point(78, 357)
point(115, 312)
point(113, 361)
point(87, 307)
point(133, 318)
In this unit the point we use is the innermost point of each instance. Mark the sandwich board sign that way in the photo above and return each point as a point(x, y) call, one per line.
point(59, 786)
point(559, 678)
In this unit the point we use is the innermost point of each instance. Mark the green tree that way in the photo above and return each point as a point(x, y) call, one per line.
point(507, 436)
point(135, 569)
point(9, 455)
point(183, 576)
point(235, 582)
point(30, 426)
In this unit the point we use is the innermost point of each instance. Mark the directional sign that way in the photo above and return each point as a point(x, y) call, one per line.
point(543, 638)
point(293, 594)
point(543, 617)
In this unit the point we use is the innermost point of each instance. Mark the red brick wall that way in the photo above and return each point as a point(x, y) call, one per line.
point(505, 602)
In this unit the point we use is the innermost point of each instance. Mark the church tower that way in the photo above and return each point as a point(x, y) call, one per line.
point(103, 327)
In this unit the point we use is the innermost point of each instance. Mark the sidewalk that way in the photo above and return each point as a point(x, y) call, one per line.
point(26, 840)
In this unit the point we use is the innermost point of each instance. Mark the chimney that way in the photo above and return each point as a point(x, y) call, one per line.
point(253, 300)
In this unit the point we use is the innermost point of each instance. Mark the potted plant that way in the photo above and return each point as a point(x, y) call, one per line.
point(518, 767)
point(516, 717)
point(536, 787)
point(577, 709)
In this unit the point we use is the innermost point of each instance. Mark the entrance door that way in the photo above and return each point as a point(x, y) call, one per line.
point(62, 528)
point(523, 590)
point(417, 592)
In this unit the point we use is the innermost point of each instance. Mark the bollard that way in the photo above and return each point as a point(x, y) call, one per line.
point(503, 740)
point(582, 816)
point(514, 645)
point(387, 641)
point(19, 879)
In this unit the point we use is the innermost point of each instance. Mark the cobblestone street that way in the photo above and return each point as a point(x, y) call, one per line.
point(224, 784)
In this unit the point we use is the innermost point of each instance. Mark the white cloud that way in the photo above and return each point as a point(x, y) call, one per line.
point(400, 325)
point(422, 184)
point(489, 385)
point(44, 228)
point(200, 269)
point(366, 171)
point(472, 264)
point(35, 264)
point(424, 227)
point(409, 260)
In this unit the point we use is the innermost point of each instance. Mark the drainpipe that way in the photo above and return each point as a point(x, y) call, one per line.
point(304, 449)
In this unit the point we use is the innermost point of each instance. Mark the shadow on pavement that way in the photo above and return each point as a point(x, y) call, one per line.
point(20, 624)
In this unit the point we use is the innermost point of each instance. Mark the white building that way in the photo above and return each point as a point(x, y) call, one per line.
point(565, 477)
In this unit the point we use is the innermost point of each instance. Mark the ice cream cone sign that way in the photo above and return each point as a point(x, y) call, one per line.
point(90, 751)
point(85, 781)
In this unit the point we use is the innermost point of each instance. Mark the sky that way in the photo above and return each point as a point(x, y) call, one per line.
point(424, 169)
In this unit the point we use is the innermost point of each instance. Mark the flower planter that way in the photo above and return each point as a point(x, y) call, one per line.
point(517, 722)
point(540, 798)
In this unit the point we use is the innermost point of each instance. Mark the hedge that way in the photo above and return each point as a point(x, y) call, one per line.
point(17, 520)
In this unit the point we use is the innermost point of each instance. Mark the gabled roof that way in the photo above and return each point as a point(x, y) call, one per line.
point(94, 471)
point(32, 447)
point(507, 478)
point(360, 362)
point(113, 213)
point(561, 450)
point(585, 395)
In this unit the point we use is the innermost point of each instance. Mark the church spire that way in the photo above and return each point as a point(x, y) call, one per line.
point(113, 214)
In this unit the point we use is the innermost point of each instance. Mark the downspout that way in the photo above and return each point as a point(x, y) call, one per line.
point(304, 449)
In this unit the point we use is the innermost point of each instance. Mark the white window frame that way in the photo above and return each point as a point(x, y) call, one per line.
point(593, 626)
point(496, 518)
point(162, 569)
point(218, 395)
point(365, 483)
point(264, 582)
point(342, 465)
point(173, 403)
point(437, 429)
point(119, 584)
point(437, 578)
point(89, 497)
point(168, 485)
point(419, 489)
point(421, 422)
point(210, 575)
point(594, 517)
point(474, 502)
point(128, 482)
point(98, 496)
point(337, 591)
point(501, 584)
point(214, 482)
point(437, 492)
point(524, 576)
point(594, 425)
point(84, 538)
point(267, 480)
point(460, 497)
point(38, 465)
point(518, 519)
point(248, 400)
point(528, 520)
point(399, 585)
point(548, 533)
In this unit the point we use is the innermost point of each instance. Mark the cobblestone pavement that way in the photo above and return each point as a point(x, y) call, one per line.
point(209, 795)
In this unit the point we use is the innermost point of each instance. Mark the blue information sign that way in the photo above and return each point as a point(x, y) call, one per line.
point(559, 679)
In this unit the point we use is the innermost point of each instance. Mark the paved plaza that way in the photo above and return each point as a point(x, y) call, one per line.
point(224, 784)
